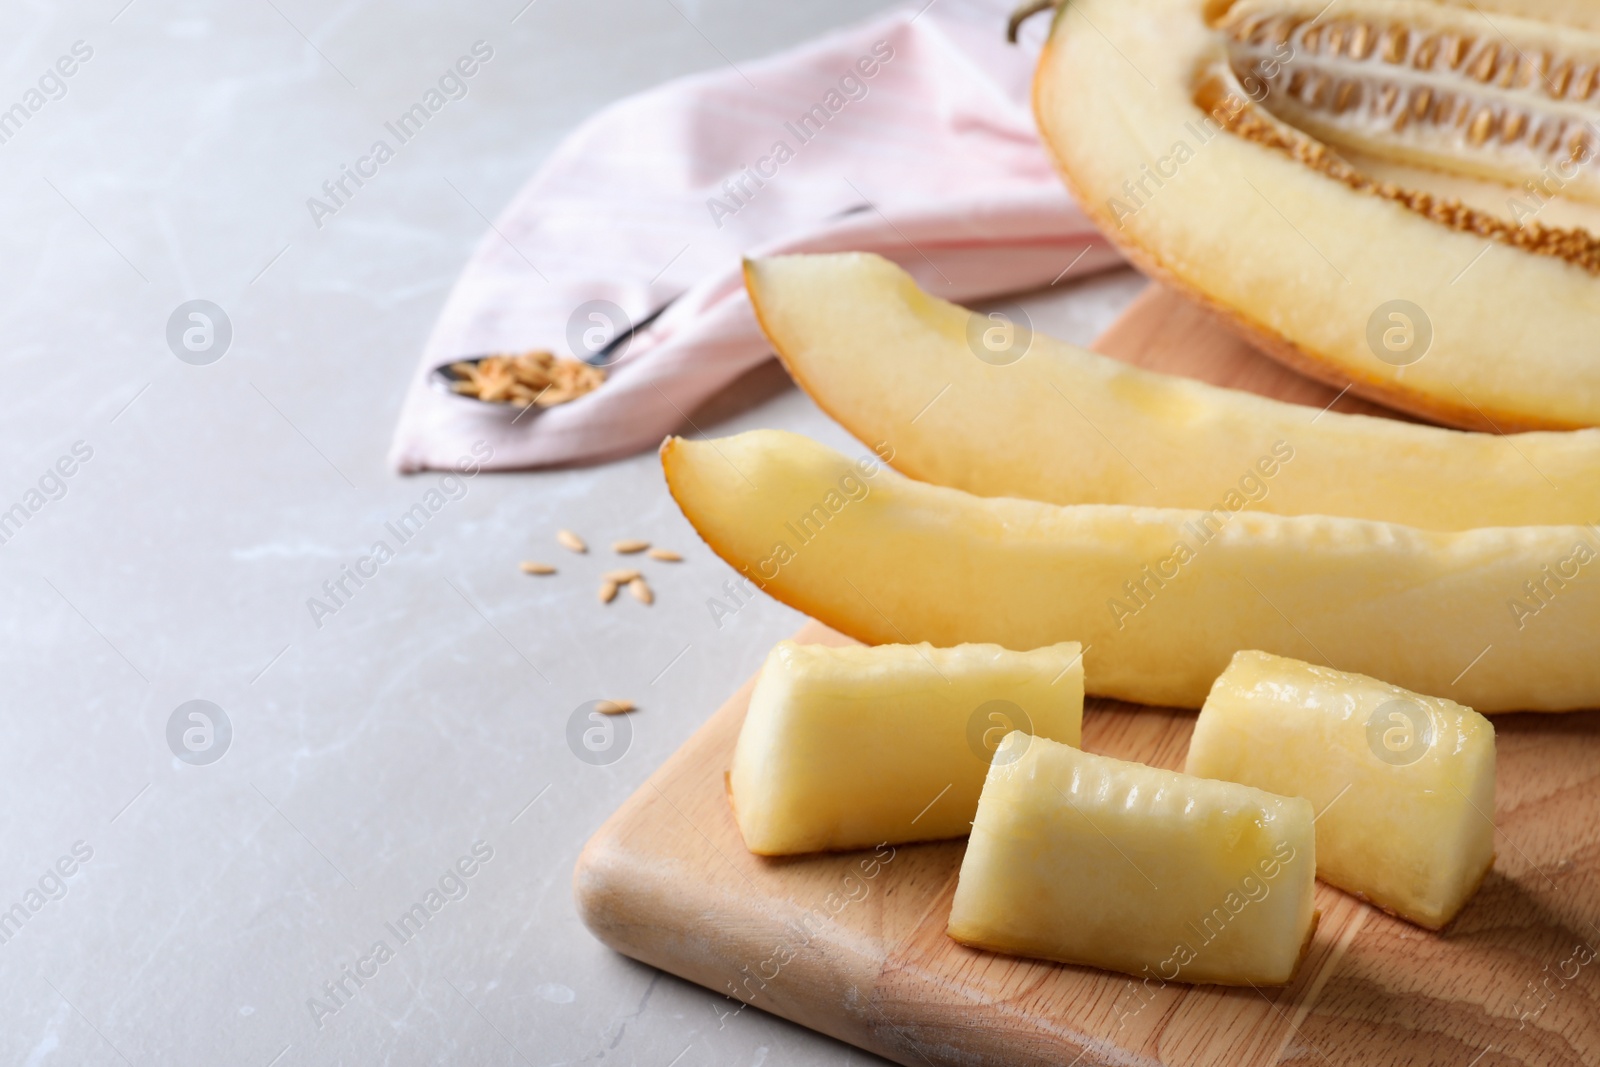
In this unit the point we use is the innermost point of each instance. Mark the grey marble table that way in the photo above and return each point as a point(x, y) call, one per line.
point(177, 516)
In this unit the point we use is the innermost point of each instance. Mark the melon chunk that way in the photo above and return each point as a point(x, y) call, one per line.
point(858, 746)
point(1404, 783)
point(873, 350)
point(1160, 598)
point(1086, 859)
point(1228, 146)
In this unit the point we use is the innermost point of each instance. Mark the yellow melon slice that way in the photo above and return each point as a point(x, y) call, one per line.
point(1087, 859)
point(1053, 422)
point(858, 746)
point(1160, 598)
point(1403, 783)
point(1394, 194)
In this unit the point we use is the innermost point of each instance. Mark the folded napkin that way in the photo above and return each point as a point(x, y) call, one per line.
point(909, 136)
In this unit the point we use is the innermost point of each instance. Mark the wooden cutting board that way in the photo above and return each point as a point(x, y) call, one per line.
point(854, 945)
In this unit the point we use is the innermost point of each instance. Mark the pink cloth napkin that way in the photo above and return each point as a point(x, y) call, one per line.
point(909, 136)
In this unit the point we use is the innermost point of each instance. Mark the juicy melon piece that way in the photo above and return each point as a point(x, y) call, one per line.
point(1404, 783)
point(1086, 859)
point(885, 559)
point(1221, 145)
point(858, 746)
point(872, 350)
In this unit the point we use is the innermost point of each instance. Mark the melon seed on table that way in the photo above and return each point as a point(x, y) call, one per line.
point(613, 581)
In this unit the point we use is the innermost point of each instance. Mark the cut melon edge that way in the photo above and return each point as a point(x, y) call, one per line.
point(1305, 950)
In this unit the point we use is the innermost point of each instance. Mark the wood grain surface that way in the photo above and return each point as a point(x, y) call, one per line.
point(854, 944)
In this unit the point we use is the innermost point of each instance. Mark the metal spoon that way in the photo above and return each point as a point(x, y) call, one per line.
point(445, 376)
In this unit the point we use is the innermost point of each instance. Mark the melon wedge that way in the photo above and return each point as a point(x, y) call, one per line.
point(1315, 170)
point(1086, 859)
point(1067, 426)
point(1160, 598)
point(1404, 783)
point(859, 746)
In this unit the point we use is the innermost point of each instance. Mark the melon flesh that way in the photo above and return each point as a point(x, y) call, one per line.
point(1067, 426)
point(859, 746)
point(888, 560)
point(1404, 783)
point(1295, 251)
point(1086, 859)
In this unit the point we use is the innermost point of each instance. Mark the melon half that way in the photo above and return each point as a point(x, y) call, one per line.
point(1395, 195)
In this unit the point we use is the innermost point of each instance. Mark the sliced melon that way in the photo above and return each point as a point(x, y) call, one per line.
point(1160, 598)
point(1222, 145)
point(1087, 859)
point(859, 746)
point(1066, 426)
point(1404, 783)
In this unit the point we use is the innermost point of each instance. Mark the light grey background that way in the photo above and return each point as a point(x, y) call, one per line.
point(370, 753)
